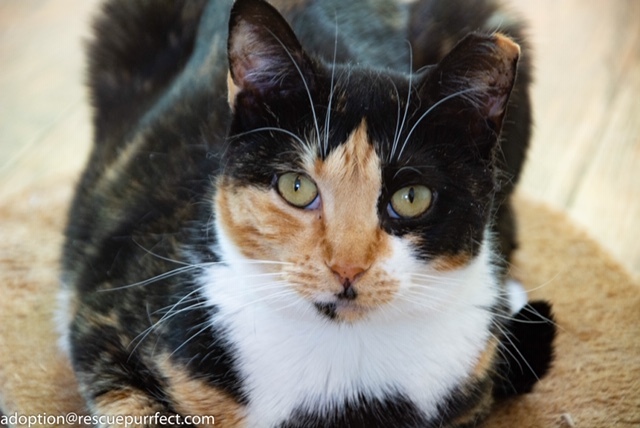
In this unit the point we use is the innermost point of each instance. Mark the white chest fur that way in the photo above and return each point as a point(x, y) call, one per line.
point(295, 357)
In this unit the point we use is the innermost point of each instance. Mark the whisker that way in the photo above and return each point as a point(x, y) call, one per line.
point(304, 82)
point(158, 256)
point(429, 110)
point(188, 268)
point(327, 122)
point(171, 312)
point(156, 278)
point(419, 297)
point(250, 291)
point(406, 107)
point(271, 296)
point(544, 284)
point(422, 304)
point(507, 336)
point(146, 332)
point(396, 135)
point(534, 312)
point(512, 319)
point(271, 129)
point(193, 336)
point(437, 278)
point(417, 288)
point(182, 299)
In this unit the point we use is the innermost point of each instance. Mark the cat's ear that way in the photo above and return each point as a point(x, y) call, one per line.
point(265, 57)
point(474, 81)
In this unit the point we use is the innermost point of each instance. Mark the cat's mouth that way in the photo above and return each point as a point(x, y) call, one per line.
point(342, 310)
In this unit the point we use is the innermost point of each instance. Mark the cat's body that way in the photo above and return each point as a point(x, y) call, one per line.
point(286, 275)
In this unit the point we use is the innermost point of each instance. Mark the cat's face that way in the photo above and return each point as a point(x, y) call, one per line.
point(360, 190)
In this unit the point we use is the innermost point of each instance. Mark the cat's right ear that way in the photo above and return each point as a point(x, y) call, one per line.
point(265, 57)
point(473, 83)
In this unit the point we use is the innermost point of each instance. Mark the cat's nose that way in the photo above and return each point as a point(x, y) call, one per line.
point(347, 274)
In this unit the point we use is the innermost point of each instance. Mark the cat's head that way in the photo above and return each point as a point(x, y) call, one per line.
point(363, 189)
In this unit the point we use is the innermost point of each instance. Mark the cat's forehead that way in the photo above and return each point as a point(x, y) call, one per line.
point(354, 159)
point(374, 102)
point(367, 91)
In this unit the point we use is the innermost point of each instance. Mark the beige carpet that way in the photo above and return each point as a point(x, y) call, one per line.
point(595, 381)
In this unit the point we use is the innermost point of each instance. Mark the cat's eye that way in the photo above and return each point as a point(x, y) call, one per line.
point(297, 189)
point(410, 202)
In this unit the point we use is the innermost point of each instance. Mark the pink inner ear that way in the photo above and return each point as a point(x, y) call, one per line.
point(246, 56)
point(496, 105)
point(263, 50)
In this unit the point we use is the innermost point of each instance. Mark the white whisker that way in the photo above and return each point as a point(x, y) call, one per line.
point(146, 332)
point(396, 135)
point(327, 122)
point(304, 82)
point(415, 125)
point(406, 107)
point(158, 256)
point(429, 291)
point(271, 129)
point(193, 336)
point(437, 278)
point(271, 296)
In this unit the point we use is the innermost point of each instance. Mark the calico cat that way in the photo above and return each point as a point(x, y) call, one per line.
point(292, 217)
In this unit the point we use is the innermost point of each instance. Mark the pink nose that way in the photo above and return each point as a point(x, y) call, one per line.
point(346, 273)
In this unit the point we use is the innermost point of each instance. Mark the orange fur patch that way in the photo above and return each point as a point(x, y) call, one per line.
point(451, 262)
point(475, 414)
point(125, 402)
point(481, 371)
point(350, 180)
point(485, 362)
point(232, 91)
point(508, 51)
point(508, 47)
point(194, 397)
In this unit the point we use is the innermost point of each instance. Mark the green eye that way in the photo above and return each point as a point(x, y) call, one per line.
point(297, 189)
point(410, 202)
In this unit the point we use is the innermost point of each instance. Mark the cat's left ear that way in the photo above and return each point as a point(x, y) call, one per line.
point(265, 57)
point(473, 82)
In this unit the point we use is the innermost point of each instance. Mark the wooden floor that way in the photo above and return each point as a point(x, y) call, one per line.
point(585, 157)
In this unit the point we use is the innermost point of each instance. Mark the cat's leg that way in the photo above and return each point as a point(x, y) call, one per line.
point(142, 382)
point(114, 381)
point(526, 350)
point(142, 386)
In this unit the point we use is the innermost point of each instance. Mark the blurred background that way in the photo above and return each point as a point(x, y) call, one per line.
point(585, 154)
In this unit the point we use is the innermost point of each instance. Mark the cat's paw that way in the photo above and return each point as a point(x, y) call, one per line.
point(526, 350)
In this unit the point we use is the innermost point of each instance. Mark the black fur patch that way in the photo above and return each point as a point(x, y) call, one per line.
point(396, 411)
point(527, 350)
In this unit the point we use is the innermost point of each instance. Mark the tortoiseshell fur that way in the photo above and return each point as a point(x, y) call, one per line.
point(198, 109)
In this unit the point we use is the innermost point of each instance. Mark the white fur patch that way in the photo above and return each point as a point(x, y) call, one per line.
point(422, 344)
point(62, 318)
point(517, 295)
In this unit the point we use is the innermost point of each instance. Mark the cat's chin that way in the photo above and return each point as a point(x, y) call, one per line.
point(343, 311)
